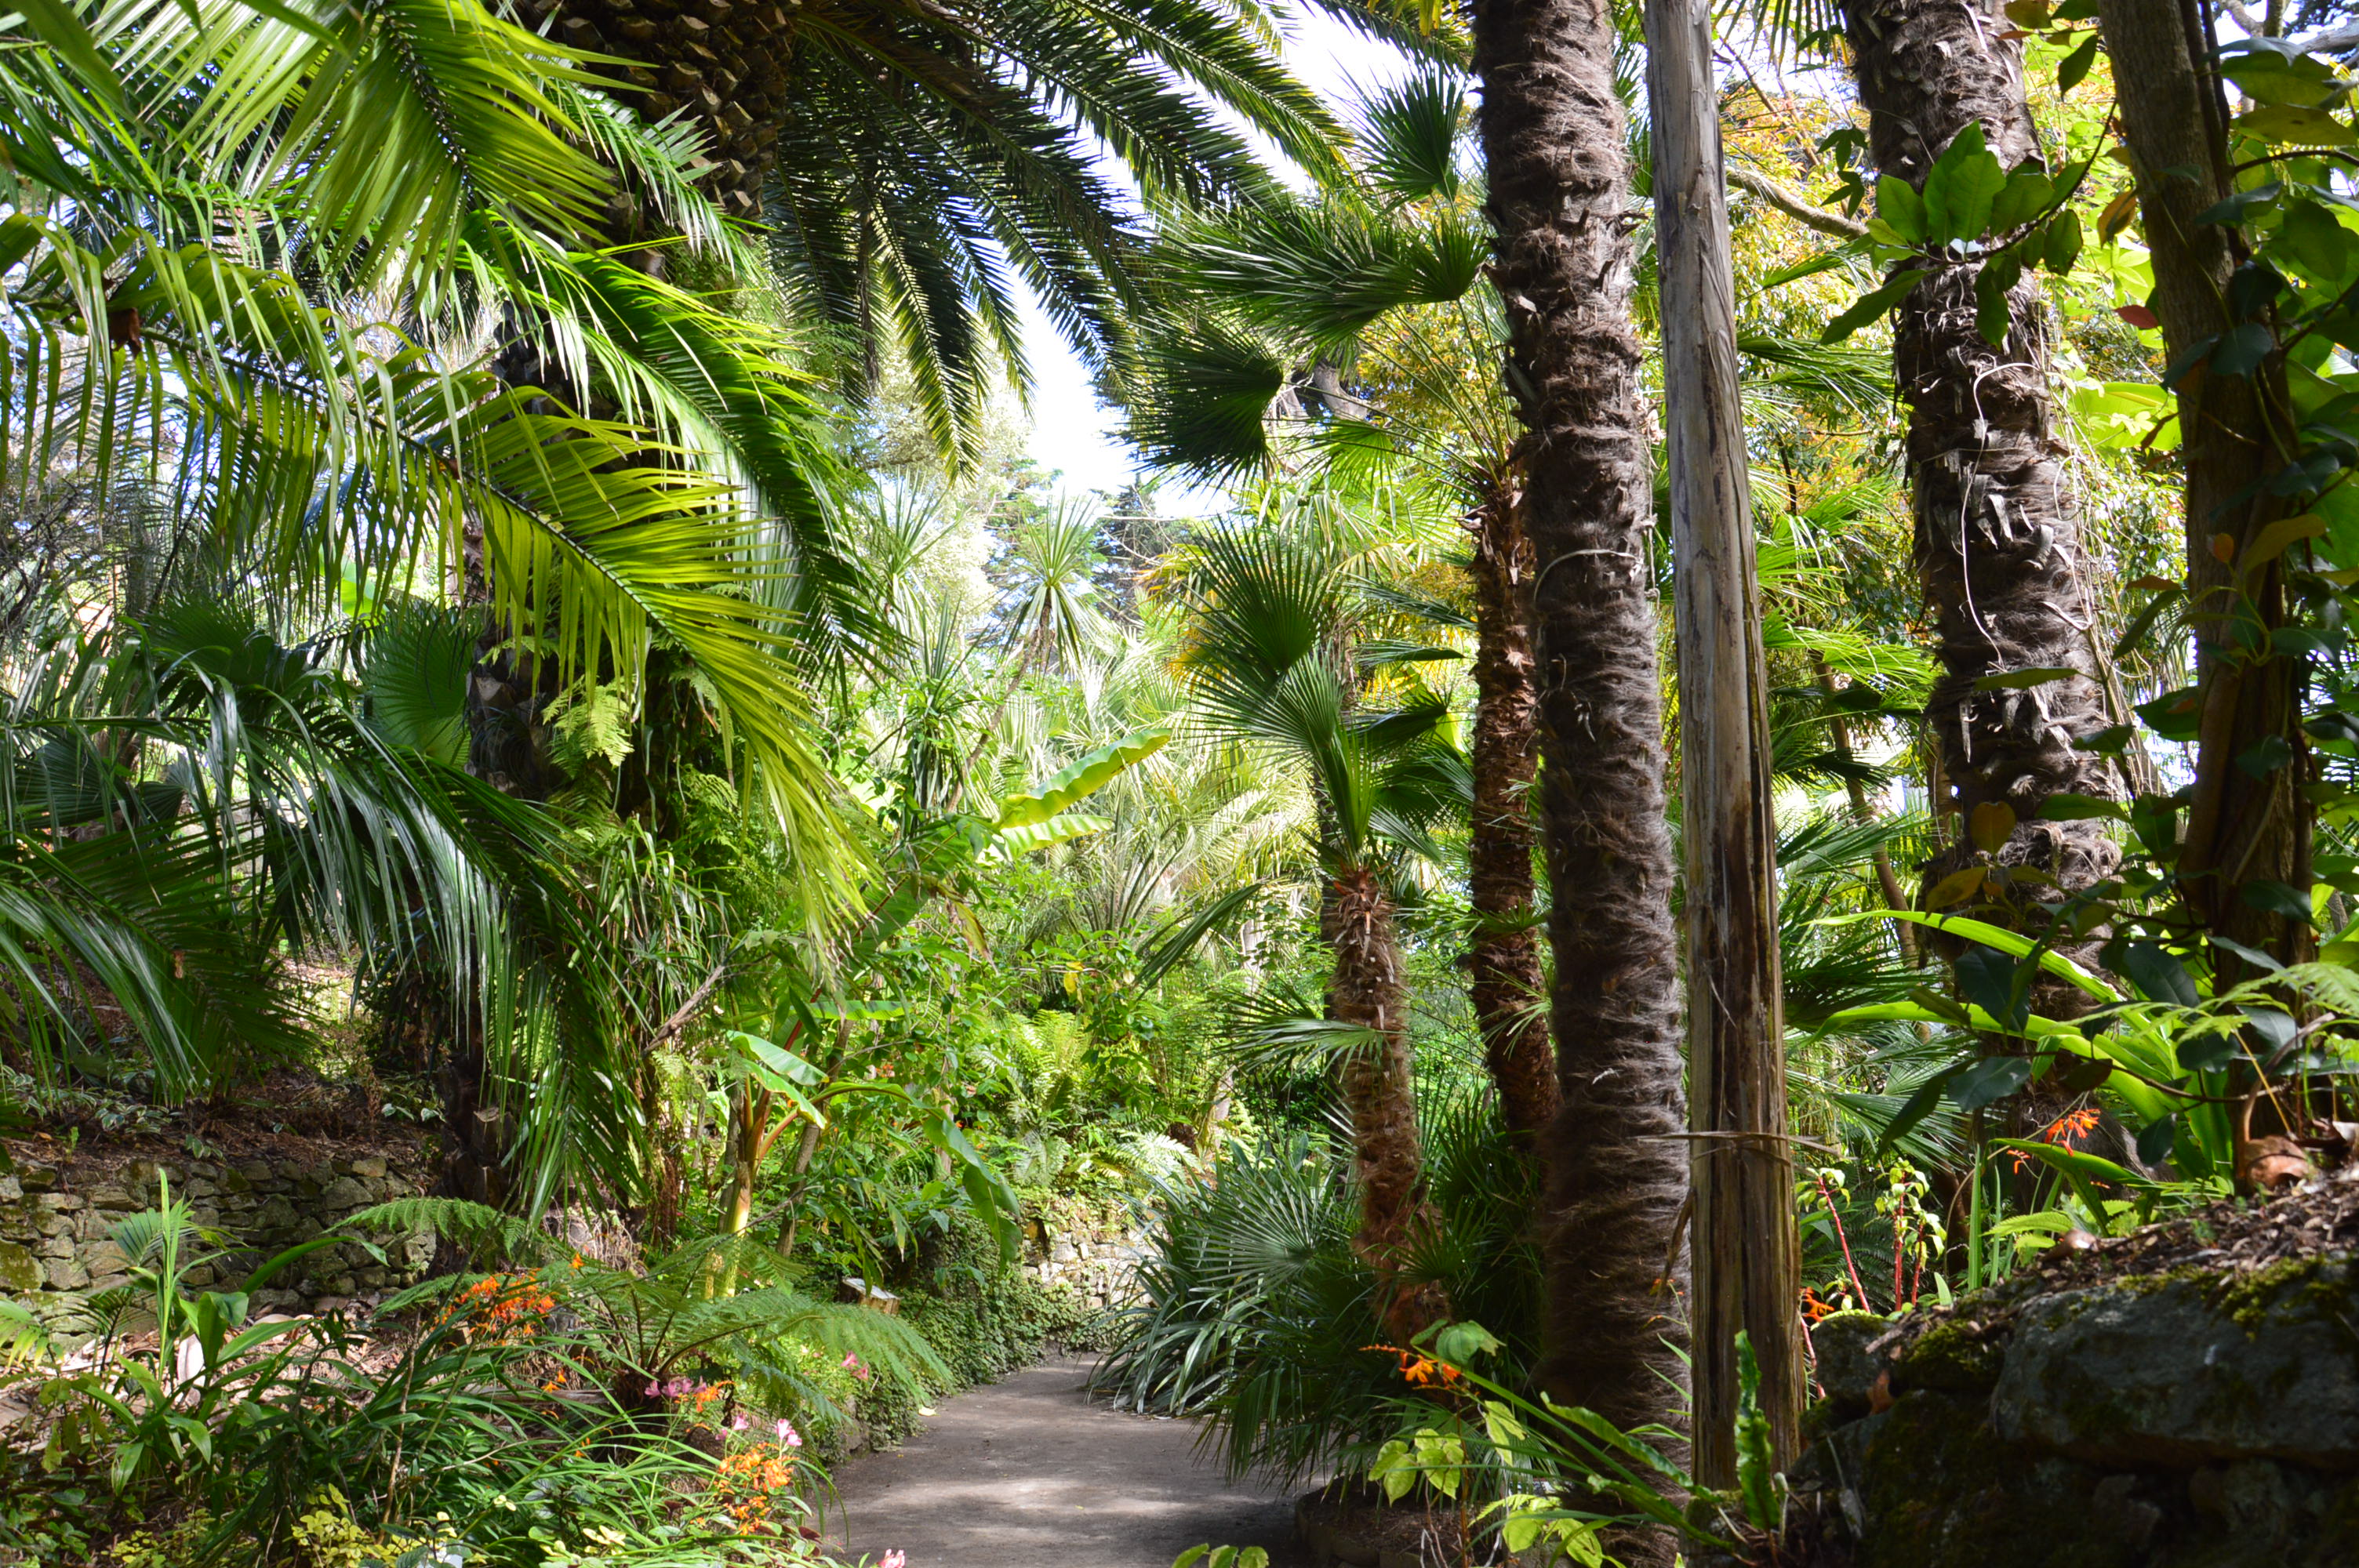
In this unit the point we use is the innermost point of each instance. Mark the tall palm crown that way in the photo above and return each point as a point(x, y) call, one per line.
point(916, 161)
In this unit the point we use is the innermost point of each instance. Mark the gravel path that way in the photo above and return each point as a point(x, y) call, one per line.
point(1029, 1474)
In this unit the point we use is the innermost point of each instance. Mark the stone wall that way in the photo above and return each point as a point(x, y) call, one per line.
point(2194, 1408)
point(1093, 1248)
point(54, 1219)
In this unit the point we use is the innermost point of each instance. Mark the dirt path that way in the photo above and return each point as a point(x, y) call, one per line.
point(1028, 1473)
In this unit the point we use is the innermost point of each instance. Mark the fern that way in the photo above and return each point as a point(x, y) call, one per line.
point(487, 1233)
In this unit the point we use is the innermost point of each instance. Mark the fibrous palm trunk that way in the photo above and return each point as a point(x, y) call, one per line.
point(721, 62)
point(2242, 826)
point(1560, 204)
point(2000, 552)
point(1380, 1092)
point(1504, 956)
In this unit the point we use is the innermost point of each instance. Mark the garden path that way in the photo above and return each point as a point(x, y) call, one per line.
point(1030, 1474)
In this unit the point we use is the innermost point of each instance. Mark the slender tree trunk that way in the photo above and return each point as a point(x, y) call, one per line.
point(1504, 956)
point(1381, 1093)
point(2236, 431)
point(1999, 548)
point(1560, 204)
point(1747, 1249)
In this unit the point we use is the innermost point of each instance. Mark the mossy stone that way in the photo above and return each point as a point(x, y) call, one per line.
point(1950, 1358)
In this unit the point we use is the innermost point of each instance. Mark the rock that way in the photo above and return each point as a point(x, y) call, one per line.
point(1844, 1368)
point(20, 1273)
point(59, 1203)
point(234, 1180)
point(65, 1275)
point(343, 1193)
point(276, 1214)
point(11, 1189)
point(2190, 1369)
point(256, 1171)
point(104, 1258)
point(55, 1246)
point(108, 1283)
point(39, 1178)
point(115, 1200)
point(199, 1276)
point(368, 1169)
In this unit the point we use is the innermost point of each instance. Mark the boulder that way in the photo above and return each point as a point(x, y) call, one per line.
point(2187, 1369)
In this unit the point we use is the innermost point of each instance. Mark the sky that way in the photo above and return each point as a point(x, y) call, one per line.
point(1070, 431)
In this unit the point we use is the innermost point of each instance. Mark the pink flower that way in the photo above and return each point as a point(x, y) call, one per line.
point(789, 1435)
point(655, 1391)
point(853, 1362)
point(738, 1422)
point(894, 1559)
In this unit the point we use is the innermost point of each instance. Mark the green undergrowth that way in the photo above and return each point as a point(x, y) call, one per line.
point(985, 1319)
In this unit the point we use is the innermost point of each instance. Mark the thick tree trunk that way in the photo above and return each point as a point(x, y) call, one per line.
point(1748, 1252)
point(1999, 547)
point(721, 62)
point(1381, 1093)
point(2240, 829)
point(1559, 204)
point(1504, 956)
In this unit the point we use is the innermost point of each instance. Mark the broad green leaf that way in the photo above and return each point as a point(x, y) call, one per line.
point(2012, 943)
point(2061, 245)
point(1993, 310)
point(1898, 204)
point(1081, 778)
point(1965, 181)
point(2304, 81)
point(2316, 244)
point(1872, 308)
point(2074, 69)
point(2020, 199)
point(1029, 836)
point(2066, 806)
point(2078, 1163)
point(2158, 975)
point(2289, 124)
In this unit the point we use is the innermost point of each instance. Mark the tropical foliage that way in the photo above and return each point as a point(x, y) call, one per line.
point(525, 603)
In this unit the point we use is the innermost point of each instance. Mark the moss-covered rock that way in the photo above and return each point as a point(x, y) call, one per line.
point(1844, 1368)
point(2191, 1370)
point(2189, 1418)
point(1955, 1357)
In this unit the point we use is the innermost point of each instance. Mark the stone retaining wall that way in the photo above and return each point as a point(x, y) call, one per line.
point(54, 1221)
point(1094, 1247)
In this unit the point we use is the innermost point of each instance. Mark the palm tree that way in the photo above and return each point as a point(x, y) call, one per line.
point(917, 159)
point(214, 201)
point(1267, 652)
point(1367, 321)
point(1551, 125)
point(2000, 551)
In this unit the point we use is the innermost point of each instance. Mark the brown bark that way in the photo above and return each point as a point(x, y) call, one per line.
point(1999, 548)
point(1504, 956)
point(2235, 431)
point(1381, 1093)
point(1747, 1270)
point(722, 63)
point(1552, 137)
